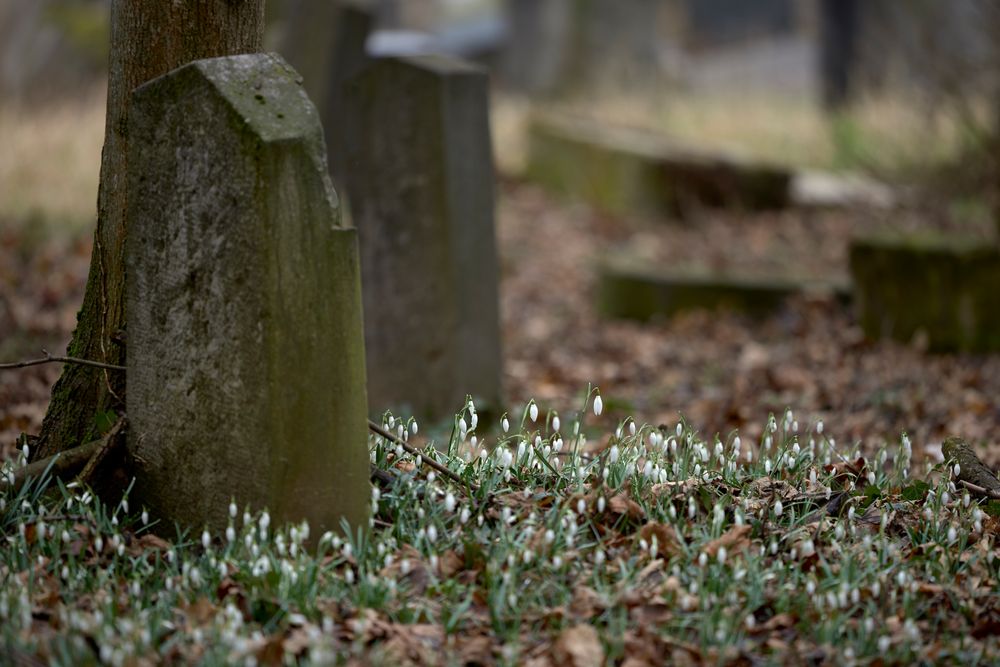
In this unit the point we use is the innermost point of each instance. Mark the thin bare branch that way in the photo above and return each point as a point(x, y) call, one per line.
point(50, 359)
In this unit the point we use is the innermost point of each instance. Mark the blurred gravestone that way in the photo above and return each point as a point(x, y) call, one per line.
point(245, 351)
point(421, 192)
point(325, 41)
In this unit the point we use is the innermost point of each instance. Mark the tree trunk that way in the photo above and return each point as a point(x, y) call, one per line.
point(148, 38)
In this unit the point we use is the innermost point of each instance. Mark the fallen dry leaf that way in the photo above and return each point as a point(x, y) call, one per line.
point(578, 646)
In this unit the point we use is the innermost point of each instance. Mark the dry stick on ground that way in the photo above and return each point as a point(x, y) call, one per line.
point(101, 452)
point(973, 473)
point(64, 465)
point(413, 451)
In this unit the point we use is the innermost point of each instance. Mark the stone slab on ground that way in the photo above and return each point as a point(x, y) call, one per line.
point(632, 289)
point(246, 375)
point(624, 171)
point(945, 288)
point(421, 189)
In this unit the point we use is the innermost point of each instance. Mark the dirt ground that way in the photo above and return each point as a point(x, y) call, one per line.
point(719, 370)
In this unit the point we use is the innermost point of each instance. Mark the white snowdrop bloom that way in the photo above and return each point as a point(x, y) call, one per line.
point(692, 510)
point(767, 466)
point(206, 539)
point(957, 469)
point(556, 562)
point(506, 458)
point(952, 534)
point(812, 476)
point(376, 494)
point(679, 430)
point(463, 427)
point(945, 498)
point(631, 428)
point(647, 469)
point(810, 586)
point(521, 446)
point(399, 450)
point(598, 405)
point(808, 549)
point(391, 422)
point(901, 578)
point(473, 420)
point(750, 622)
point(601, 503)
point(618, 433)
point(349, 576)
point(419, 461)
point(230, 533)
point(557, 444)
point(850, 513)
point(432, 533)
point(966, 500)
point(773, 547)
point(871, 477)
point(546, 452)
point(413, 427)
point(876, 588)
point(721, 555)
point(473, 441)
point(347, 550)
point(505, 424)
point(555, 422)
point(614, 454)
point(630, 469)
point(718, 449)
point(483, 454)
point(581, 506)
point(697, 470)
point(505, 515)
point(702, 559)
point(768, 442)
point(449, 502)
point(599, 556)
point(533, 411)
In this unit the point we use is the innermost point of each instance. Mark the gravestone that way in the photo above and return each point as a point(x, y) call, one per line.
point(421, 195)
point(245, 346)
point(946, 288)
point(325, 41)
point(622, 170)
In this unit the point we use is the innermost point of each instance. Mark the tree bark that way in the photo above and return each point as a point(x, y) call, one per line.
point(148, 39)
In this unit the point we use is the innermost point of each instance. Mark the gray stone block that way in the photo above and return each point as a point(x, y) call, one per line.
point(245, 346)
point(421, 192)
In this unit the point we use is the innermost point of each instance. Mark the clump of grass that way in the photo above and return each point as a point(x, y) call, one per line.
point(645, 542)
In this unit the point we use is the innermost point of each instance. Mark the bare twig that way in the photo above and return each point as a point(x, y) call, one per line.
point(378, 430)
point(975, 488)
point(49, 359)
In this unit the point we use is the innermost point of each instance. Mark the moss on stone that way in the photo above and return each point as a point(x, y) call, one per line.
point(945, 287)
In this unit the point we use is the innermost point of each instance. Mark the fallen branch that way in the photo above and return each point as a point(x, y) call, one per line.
point(49, 359)
point(63, 465)
point(378, 430)
point(973, 473)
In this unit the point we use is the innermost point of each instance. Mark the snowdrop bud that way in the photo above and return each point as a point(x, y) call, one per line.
point(767, 466)
point(952, 534)
point(505, 424)
point(449, 502)
point(647, 469)
point(778, 508)
point(631, 428)
point(550, 536)
point(533, 411)
point(819, 426)
point(812, 476)
point(598, 405)
point(599, 557)
point(749, 456)
point(145, 517)
point(957, 469)
point(581, 506)
point(555, 423)
point(206, 539)
point(702, 559)
point(850, 513)
point(230, 533)
point(679, 430)
point(473, 420)
point(463, 516)
point(462, 426)
point(613, 456)
point(473, 441)
point(601, 503)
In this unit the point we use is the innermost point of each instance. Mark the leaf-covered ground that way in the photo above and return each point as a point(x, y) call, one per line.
point(635, 548)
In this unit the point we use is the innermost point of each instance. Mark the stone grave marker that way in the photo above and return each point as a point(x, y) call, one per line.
point(325, 41)
point(421, 194)
point(246, 374)
point(946, 288)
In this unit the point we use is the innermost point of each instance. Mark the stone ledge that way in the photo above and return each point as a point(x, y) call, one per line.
point(628, 171)
point(632, 289)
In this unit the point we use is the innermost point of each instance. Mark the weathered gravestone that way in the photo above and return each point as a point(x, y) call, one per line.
point(421, 195)
point(945, 288)
point(245, 347)
point(325, 41)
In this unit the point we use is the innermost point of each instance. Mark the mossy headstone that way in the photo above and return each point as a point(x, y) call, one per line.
point(947, 288)
point(421, 185)
point(246, 374)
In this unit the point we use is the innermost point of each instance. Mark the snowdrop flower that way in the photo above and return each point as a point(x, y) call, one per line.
point(206, 539)
point(557, 444)
point(601, 503)
point(599, 557)
point(473, 420)
point(702, 559)
point(598, 405)
point(505, 424)
point(463, 427)
point(647, 469)
point(555, 422)
point(581, 506)
point(449, 502)
point(631, 428)
point(533, 411)
point(957, 469)
point(952, 534)
point(767, 466)
point(613, 455)
point(778, 508)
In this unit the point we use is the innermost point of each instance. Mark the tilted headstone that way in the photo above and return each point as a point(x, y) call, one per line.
point(246, 374)
point(421, 193)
